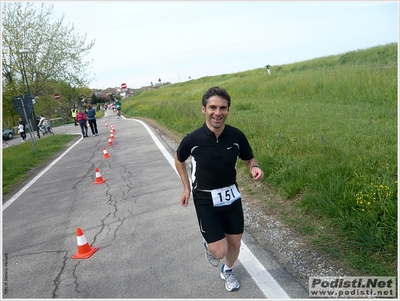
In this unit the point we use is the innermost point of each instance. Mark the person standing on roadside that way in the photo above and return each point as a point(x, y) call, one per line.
point(81, 119)
point(20, 120)
point(91, 113)
point(73, 114)
point(22, 129)
point(214, 149)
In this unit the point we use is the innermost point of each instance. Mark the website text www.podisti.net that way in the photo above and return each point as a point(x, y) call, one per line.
point(353, 287)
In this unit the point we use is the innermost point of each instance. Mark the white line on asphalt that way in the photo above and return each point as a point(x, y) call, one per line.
point(16, 196)
point(267, 284)
point(166, 154)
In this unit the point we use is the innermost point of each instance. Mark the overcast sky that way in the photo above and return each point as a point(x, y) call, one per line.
point(138, 42)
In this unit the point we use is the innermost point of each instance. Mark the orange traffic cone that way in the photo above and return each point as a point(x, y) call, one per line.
point(84, 250)
point(106, 125)
point(113, 128)
point(110, 141)
point(105, 154)
point(99, 178)
point(112, 136)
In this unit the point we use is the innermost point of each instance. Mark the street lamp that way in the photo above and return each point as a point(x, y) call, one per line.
point(21, 52)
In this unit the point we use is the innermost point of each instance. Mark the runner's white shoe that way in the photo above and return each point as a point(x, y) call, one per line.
point(211, 259)
point(231, 283)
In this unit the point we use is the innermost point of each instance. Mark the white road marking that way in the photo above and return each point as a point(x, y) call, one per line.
point(267, 284)
point(16, 196)
point(166, 154)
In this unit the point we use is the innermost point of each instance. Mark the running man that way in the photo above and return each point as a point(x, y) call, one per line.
point(214, 149)
point(118, 108)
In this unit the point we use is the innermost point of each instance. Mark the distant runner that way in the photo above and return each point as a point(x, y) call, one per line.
point(118, 108)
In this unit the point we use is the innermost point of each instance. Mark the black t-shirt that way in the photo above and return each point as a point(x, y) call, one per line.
point(214, 160)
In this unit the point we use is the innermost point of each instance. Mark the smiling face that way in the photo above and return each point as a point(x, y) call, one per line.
point(216, 111)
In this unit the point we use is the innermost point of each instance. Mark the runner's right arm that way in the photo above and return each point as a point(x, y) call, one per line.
point(181, 168)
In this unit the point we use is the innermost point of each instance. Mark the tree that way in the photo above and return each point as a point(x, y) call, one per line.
point(94, 99)
point(56, 52)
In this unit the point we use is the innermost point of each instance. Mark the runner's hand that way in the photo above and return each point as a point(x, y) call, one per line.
point(257, 173)
point(185, 198)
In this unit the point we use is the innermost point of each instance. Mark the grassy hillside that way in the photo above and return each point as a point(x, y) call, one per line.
point(325, 133)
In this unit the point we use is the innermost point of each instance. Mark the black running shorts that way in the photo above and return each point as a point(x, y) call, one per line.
point(215, 222)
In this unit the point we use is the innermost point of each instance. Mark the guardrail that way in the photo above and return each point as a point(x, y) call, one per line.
point(52, 120)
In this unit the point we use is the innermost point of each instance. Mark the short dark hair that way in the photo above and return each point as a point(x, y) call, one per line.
point(216, 91)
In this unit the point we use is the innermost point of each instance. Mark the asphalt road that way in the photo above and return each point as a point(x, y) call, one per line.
point(149, 245)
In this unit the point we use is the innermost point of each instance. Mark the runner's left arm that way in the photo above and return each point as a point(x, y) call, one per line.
point(254, 169)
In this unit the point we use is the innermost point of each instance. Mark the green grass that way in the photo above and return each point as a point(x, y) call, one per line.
point(18, 160)
point(324, 132)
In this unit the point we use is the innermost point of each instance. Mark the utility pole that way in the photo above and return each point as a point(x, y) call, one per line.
point(29, 90)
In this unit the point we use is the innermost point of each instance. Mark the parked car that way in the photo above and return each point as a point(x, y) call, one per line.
point(7, 134)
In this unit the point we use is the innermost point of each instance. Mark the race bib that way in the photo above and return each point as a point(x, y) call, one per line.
point(225, 196)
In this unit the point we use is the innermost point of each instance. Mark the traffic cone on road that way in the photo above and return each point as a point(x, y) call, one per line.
point(99, 178)
point(84, 250)
point(112, 136)
point(106, 125)
point(110, 141)
point(105, 154)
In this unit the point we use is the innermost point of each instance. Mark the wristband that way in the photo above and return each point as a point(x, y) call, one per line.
point(253, 167)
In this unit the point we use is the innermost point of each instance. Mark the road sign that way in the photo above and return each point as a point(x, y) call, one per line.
point(24, 107)
point(22, 103)
point(56, 96)
point(123, 86)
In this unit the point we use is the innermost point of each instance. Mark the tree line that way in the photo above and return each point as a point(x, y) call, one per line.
point(53, 59)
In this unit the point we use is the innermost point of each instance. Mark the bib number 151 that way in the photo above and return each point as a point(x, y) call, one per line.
point(225, 196)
